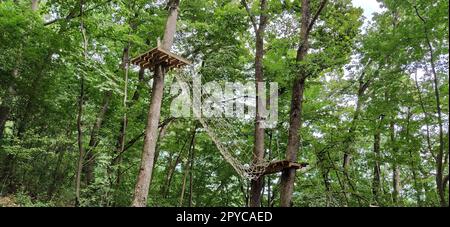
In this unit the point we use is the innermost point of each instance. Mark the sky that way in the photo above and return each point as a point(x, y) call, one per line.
point(369, 7)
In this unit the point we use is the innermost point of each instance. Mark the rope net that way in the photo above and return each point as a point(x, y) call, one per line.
point(231, 135)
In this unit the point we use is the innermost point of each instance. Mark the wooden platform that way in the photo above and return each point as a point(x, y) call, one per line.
point(159, 56)
point(278, 166)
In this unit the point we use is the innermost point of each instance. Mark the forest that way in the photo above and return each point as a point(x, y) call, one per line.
point(341, 108)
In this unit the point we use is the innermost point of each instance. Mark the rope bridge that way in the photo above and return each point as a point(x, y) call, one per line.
point(224, 132)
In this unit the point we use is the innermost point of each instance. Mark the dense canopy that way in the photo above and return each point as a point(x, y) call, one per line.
point(362, 103)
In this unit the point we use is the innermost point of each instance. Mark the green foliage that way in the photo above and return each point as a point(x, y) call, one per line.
point(359, 83)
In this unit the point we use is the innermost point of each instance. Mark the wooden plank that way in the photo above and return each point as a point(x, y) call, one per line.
point(145, 65)
point(140, 56)
point(144, 57)
point(159, 56)
point(162, 59)
point(148, 56)
point(278, 166)
point(175, 56)
point(173, 61)
point(150, 62)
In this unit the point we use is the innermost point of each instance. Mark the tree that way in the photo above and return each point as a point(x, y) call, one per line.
point(288, 176)
point(151, 130)
point(258, 149)
point(81, 150)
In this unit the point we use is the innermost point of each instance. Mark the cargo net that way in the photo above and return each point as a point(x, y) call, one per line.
point(232, 136)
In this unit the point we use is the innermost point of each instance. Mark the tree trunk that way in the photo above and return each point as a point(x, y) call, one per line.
point(88, 168)
point(295, 118)
point(7, 174)
point(376, 183)
point(120, 140)
point(191, 176)
point(171, 169)
point(395, 169)
point(350, 138)
point(426, 115)
point(417, 185)
point(396, 184)
point(56, 173)
point(349, 142)
point(268, 177)
point(439, 161)
point(440, 182)
point(183, 187)
point(4, 115)
point(288, 175)
point(188, 166)
point(162, 132)
point(413, 164)
point(79, 117)
point(5, 107)
point(258, 148)
point(154, 113)
point(123, 127)
point(323, 165)
point(80, 143)
point(27, 112)
point(8, 166)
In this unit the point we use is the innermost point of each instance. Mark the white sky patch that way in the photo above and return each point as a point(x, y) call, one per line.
point(369, 7)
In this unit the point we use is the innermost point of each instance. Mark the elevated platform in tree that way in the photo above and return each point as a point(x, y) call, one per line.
point(278, 166)
point(159, 56)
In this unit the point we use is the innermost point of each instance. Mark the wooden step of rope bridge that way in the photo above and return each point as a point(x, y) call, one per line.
point(279, 166)
point(159, 56)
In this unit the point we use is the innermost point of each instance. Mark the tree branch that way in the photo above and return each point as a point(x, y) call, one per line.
point(316, 15)
point(263, 16)
point(72, 14)
point(135, 139)
point(250, 15)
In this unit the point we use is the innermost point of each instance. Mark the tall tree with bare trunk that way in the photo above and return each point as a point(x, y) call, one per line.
point(258, 147)
point(295, 118)
point(441, 181)
point(154, 113)
point(80, 113)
